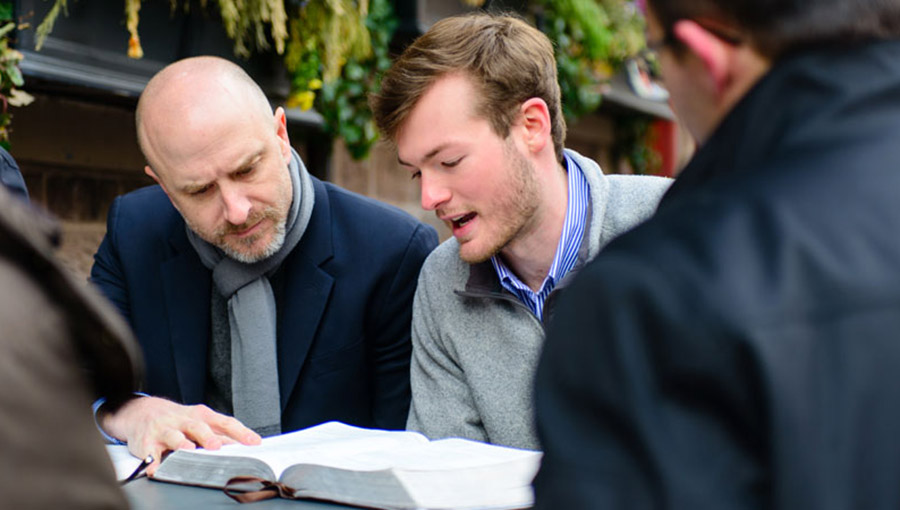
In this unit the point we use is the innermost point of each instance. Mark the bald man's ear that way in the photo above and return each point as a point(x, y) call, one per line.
point(282, 134)
point(149, 171)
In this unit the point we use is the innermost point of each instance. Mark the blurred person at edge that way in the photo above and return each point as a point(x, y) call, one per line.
point(740, 349)
point(62, 344)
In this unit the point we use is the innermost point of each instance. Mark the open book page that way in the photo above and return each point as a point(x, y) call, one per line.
point(329, 444)
point(503, 485)
point(471, 473)
point(444, 474)
point(451, 454)
point(124, 462)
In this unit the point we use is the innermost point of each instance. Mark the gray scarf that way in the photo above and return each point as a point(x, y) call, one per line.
point(252, 312)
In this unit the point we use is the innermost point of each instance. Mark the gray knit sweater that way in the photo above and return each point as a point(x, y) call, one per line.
point(476, 347)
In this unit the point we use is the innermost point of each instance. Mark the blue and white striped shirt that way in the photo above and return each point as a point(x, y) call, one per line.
point(566, 250)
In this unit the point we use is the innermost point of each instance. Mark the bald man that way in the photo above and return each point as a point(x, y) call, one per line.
point(264, 299)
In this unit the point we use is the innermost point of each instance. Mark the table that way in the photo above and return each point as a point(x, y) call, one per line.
point(146, 494)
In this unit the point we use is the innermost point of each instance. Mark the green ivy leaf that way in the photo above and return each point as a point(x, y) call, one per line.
point(14, 74)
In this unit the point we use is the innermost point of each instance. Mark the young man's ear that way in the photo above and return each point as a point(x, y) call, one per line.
point(282, 134)
point(713, 52)
point(535, 124)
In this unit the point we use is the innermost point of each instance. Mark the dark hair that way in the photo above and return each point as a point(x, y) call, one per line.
point(775, 27)
point(508, 61)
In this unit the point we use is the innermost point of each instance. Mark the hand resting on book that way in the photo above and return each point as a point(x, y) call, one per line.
point(153, 426)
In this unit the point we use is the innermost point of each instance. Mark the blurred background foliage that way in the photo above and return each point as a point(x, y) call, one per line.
point(593, 39)
point(336, 50)
point(11, 81)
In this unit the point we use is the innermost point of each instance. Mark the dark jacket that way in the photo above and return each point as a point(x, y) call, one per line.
point(11, 176)
point(742, 348)
point(344, 298)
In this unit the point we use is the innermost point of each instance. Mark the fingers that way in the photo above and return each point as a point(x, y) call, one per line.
point(169, 440)
point(237, 431)
point(232, 428)
point(154, 426)
point(174, 439)
point(151, 469)
point(156, 446)
point(200, 433)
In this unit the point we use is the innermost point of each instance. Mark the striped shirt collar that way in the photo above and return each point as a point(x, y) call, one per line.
point(566, 250)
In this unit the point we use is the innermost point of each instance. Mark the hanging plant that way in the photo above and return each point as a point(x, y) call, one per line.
point(246, 22)
point(334, 51)
point(592, 40)
point(343, 98)
point(11, 79)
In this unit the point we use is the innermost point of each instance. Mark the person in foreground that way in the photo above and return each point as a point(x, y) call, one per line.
point(62, 343)
point(275, 300)
point(473, 107)
point(740, 349)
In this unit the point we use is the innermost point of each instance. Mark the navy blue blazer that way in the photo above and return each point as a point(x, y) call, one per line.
point(344, 298)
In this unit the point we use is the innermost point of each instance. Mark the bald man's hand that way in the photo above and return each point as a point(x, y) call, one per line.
point(153, 426)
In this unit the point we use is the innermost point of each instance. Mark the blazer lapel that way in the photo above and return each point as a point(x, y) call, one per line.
point(187, 286)
point(306, 292)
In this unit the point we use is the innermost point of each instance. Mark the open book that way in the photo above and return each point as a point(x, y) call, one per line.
point(370, 468)
point(123, 461)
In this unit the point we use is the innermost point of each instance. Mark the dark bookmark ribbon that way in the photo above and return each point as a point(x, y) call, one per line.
point(268, 489)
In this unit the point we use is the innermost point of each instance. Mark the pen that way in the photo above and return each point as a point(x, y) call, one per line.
point(139, 471)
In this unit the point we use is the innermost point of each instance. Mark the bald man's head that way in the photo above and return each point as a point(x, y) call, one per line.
point(192, 94)
point(220, 153)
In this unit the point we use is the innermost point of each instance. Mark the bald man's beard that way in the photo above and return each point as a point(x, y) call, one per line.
point(243, 250)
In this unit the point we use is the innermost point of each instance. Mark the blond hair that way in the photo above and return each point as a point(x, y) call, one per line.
point(508, 61)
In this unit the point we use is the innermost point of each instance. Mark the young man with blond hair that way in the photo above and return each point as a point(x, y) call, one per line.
point(473, 107)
